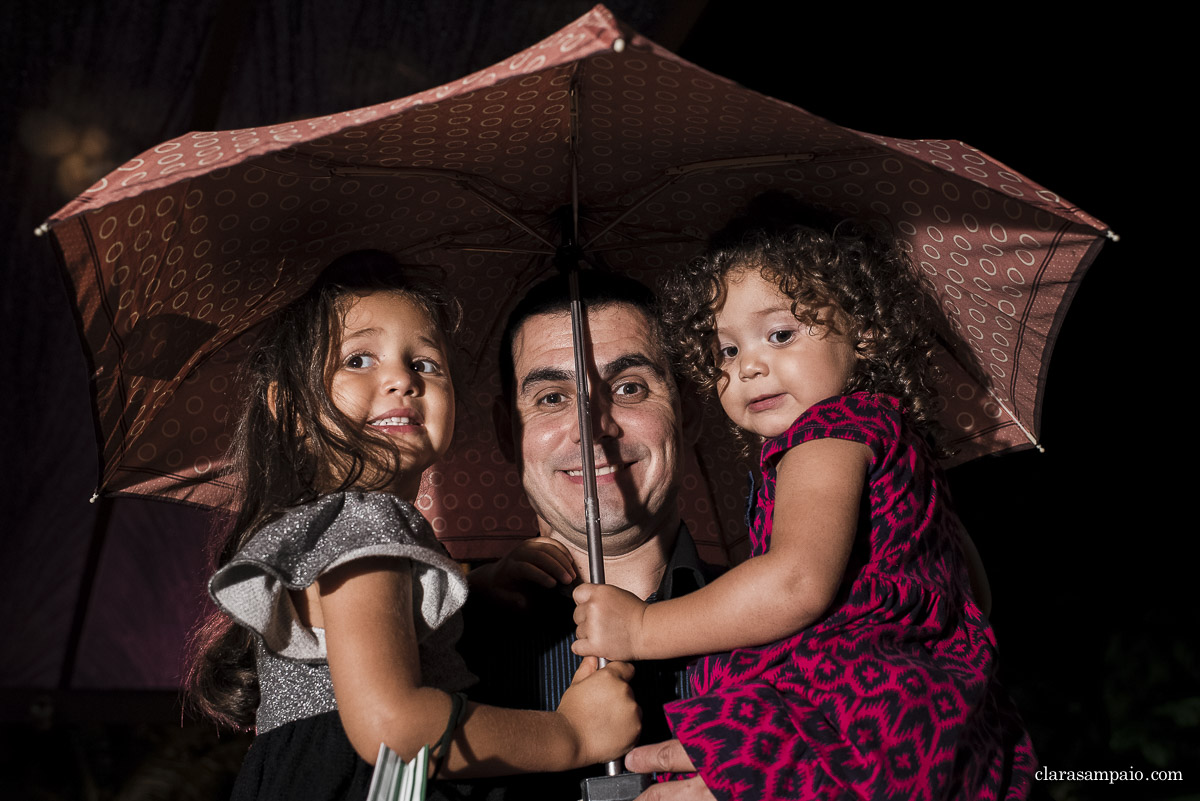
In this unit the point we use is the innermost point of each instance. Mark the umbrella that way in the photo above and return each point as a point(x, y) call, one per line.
point(594, 139)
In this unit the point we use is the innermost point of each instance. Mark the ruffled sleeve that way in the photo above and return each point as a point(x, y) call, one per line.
point(307, 541)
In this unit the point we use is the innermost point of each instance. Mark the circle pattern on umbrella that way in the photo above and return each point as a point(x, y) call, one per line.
point(179, 254)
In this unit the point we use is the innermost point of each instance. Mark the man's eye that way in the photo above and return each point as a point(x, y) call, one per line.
point(426, 366)
point(630, 389)
point(551, 399)
point(781, 337)
point(359, 361)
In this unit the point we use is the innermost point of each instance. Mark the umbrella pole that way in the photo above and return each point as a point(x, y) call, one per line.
point(615, 785)
point(583, 407)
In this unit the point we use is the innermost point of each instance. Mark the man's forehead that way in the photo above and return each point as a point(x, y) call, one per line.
point(624, 324)
point(631, 321)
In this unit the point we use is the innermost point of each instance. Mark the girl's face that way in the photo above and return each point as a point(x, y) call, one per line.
point(773, 367)
point(391, 377)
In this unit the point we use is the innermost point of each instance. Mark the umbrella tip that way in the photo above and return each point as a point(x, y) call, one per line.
point(42, 229)
point(95, 495)
point(1113, 235)
point(618, 45)
point(1040, 448)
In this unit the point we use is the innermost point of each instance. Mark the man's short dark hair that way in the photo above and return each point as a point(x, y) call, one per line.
point(553, 296)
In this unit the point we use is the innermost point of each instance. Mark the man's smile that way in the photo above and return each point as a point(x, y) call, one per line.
point(601, 470)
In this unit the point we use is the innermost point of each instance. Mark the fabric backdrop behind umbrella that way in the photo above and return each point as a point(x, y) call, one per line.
point(177, 256)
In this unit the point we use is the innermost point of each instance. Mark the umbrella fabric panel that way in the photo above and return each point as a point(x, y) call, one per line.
point(467, 183)
point(199, 153)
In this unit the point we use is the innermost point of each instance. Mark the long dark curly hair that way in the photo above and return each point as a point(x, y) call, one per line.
point(288, 437)
point(841, 277)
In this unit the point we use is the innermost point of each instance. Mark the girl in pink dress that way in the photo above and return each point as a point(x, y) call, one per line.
point(849, 657)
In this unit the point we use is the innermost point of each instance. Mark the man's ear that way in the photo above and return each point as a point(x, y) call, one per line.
point(502, 421)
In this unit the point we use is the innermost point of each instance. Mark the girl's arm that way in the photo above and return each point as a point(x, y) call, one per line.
point(818, 489)
point(366, 609)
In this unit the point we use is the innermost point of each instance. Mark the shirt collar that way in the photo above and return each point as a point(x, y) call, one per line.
point(685, 572)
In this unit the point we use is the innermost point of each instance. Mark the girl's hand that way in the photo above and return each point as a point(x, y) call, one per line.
point(609, 622)
point(540, 561)
point(600, 709)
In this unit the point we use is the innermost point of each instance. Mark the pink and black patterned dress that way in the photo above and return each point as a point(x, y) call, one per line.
point(893, 694)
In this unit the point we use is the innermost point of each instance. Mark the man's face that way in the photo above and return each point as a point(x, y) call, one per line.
point(635, 415)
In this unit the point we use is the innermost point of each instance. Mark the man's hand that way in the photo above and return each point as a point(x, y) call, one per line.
point(600, 708)
point(608, 622)
point(540, 561)
point(668, 756)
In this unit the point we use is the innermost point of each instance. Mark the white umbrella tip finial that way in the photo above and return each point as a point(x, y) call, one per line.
point(95, 495)
point(1112, 235)
point(1040, 448)
point(42, 229)
point(618, 45)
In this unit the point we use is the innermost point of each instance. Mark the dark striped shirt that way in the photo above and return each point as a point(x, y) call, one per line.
point(524, 661)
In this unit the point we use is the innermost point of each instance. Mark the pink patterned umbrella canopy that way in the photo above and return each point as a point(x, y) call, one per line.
point(178, 255)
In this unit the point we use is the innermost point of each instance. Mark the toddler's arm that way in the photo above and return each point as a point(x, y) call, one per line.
point(366, 608)
point(818, 489)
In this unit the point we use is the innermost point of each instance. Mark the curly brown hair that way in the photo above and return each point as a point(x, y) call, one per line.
point(846, 280)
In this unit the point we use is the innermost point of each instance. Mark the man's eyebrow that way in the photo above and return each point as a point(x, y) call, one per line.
point(546, 375)
point(631, 360)
point(543, 375)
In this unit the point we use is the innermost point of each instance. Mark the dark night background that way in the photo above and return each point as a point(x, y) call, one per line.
point(1083, 544)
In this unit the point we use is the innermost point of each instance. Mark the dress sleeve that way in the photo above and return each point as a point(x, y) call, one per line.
point(873, 420)
point(293, 551)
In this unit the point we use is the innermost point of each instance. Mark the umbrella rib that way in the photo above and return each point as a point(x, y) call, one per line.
point(673, 174)
point(498, 249)
point(1032, 440)
point(466, 182)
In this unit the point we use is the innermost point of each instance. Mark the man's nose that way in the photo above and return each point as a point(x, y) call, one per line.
point(604, 425)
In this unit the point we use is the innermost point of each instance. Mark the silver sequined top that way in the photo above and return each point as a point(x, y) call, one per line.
point(291, 552)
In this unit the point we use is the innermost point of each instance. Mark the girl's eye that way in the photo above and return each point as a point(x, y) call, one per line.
point(359, 361)
point(781, 337)
point(727, 352)
point(426, 366)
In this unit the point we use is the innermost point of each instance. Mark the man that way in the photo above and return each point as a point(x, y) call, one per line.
point(524, 657)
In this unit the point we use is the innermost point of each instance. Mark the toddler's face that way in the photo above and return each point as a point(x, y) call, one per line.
point(392, 377)
point(773, 367)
